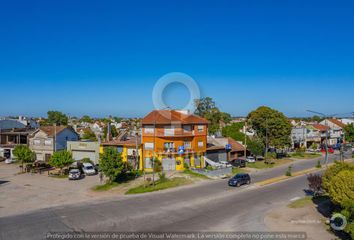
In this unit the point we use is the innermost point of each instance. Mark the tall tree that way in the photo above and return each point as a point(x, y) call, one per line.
point(206, 108)
point(255, 146)
point(61, 159)
point(89, 135)
point(114, 131)
point(86, 118)
point(234, 131)
point(24, 154)
point(271, 126)
point(349, 132)
point(56, 117)
point(112, 165)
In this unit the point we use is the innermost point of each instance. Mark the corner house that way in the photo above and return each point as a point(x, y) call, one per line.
point(176, 138)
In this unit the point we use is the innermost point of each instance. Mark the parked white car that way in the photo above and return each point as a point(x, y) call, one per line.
point(250, 159)
point(10, 160)
point(88, 169)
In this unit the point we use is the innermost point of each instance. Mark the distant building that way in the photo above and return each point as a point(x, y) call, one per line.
point(84, 149)
point(336, 130)
point(14, 132)
point(175, 138)
point(217, 149)
point(46, 140)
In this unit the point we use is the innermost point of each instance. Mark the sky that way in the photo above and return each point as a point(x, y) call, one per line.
point(104, 57)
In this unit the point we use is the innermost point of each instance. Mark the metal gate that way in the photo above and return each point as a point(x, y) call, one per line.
point(196, 161)
point(169, 164)
point(79, 155)
point(187, 161)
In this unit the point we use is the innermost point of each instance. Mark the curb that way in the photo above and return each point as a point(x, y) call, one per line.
point(295, 174)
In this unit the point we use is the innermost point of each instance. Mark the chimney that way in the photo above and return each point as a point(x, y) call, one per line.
point(109, 135)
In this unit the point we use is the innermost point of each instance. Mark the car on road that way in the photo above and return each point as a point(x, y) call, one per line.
point(330, 150)
point(88, 169)
point(259, 158)
point(74, 174)
point(240, 179)
point(239, 162)
point(250, 159)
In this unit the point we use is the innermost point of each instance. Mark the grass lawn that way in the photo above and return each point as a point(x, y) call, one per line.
point(300, 203)
point(59, 176)
point(194, 174)
point(263, 165)
point(168, 183)
point(306, 155)
point(238, 170)
point(105, 187)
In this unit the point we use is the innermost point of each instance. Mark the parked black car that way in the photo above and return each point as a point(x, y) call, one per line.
point(240, 163)
point(240, 179)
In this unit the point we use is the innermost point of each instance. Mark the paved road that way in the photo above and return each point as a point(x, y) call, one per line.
point(207, 206)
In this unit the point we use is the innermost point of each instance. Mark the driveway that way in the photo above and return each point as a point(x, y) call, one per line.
point(20, 193)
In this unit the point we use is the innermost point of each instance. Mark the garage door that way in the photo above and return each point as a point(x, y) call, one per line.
point(169, 164)
point(78, 155)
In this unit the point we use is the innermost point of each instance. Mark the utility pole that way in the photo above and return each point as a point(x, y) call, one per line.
point(55, 137)
point(245, 152)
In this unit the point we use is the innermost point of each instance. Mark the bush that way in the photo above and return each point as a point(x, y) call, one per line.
point(315, 183)
point(341, 187)
point(288, 172)
point(332, 171)
point(318, 165)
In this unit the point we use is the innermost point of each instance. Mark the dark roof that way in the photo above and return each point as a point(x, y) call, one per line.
point(172, 116)
point(128, 141)
point(10, 124)
point(50, 130)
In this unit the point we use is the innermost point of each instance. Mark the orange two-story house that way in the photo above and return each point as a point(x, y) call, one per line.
point(174, 137)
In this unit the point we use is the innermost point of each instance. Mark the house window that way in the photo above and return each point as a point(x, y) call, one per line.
point(200, 144)
point(148, 146)
point(37, 142)
point(120, 149)
point(149, 129)
point(48, 142)
point(188, 145)
point(169, 130)
point(200, 128)
point(187, 128)
point(169, 145)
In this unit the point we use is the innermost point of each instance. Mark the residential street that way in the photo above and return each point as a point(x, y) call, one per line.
point(207, 206)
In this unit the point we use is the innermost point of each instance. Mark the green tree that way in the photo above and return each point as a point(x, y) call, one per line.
point(56, 117)
point(234, 131)
point(341, 188)
point(87, 119)
point(24, 155)
point(206, 108)
point(61, 159)
point(112, 165)
point(271, 125)
point(89, 135)
point(255, 146)
point(114, 131)
point(332, 171)
point(349, 132)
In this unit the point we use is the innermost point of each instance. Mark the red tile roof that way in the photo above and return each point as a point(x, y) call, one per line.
point(321, 127)
point(49, 130)
point(172, 116)
point(337, 122)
